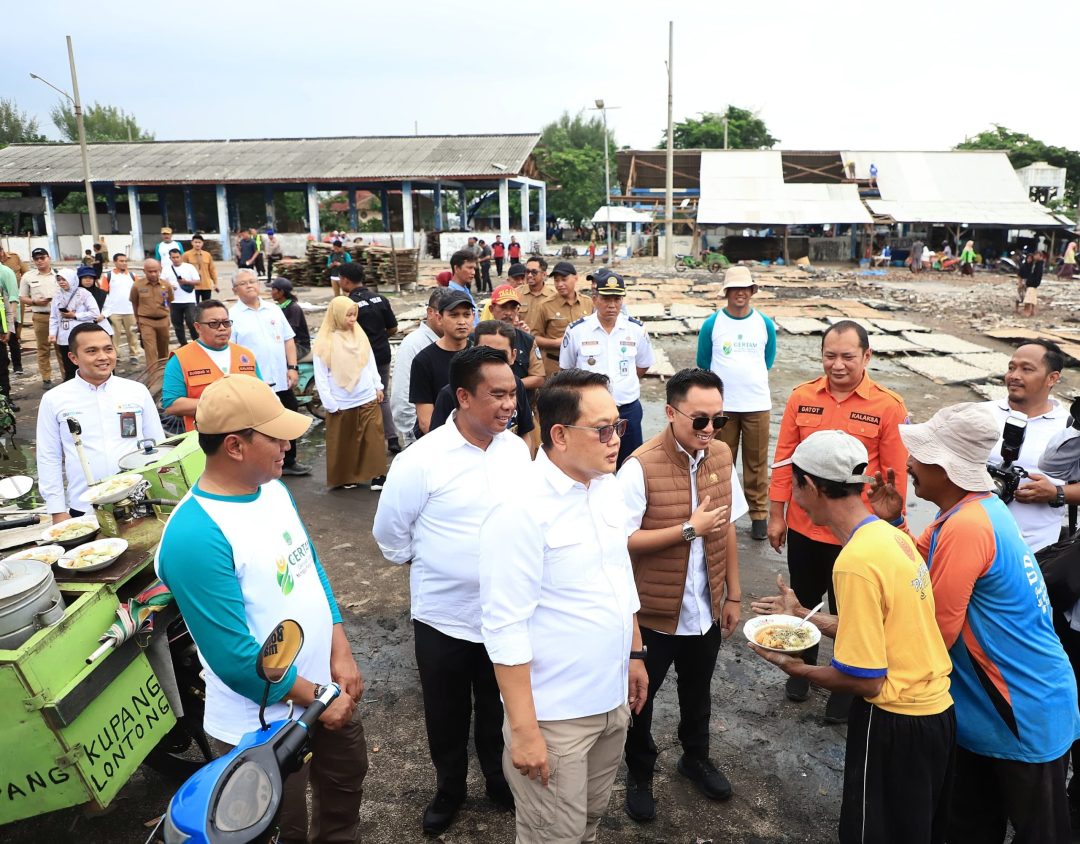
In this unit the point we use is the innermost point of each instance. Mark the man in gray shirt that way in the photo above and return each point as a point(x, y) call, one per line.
point(430, 330)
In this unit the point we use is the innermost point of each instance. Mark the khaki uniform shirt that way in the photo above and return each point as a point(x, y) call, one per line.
point(556, 314)
point(529, 312)
point(204, 263)
point(36, 283)
point(151, 300)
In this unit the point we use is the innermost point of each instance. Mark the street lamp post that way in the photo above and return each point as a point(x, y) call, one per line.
point(607, 184)
point(77, 104)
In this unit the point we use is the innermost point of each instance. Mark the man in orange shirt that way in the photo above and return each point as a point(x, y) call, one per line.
point(846, 399)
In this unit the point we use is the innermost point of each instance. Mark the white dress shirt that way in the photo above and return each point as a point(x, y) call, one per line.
point(1039, 523)
point(403, 410)
point(99, 411)
point(185, 273)
point(695, 617)
point(586, 345)
point(118, 299)
point(264, 330)
point(438, 492)
point(558, 590)
point(334, 397)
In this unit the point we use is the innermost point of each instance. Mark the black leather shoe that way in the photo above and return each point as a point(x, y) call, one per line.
point(837, 708)
point(440, 813)
point(498, 791)
point(797, 689)
point(705, 776)
point(640, 805)
point(759, 529)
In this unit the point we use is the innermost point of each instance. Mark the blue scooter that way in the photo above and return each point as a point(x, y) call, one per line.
point(236, 799)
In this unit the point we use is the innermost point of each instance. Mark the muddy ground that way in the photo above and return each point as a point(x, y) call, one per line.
point(785, 764)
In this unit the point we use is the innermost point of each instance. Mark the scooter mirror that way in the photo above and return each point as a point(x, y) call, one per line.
point(15, 487)
point(280, 651)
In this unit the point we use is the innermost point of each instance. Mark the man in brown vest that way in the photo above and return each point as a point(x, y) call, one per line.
point(684, 499)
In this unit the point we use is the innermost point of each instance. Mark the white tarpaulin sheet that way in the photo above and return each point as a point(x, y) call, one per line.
point(746, 187)
point(620, 214)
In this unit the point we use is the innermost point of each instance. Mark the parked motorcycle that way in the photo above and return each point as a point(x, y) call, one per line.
point(238, 797)
point(307, 396)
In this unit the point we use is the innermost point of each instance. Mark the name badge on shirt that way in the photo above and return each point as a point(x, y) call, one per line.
point(624, 367)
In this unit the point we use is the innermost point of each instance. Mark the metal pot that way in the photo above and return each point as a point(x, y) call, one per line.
point(149, 453)
point(29, 601)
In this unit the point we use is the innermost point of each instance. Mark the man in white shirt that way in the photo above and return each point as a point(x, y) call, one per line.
point(438, 493)
point(684, 498)
point(113, 412)
point(430, 330)
point(738, 343)
point(261, 327)
point(36, 290)
point(118, 309)
point(184, 279)
point(162, 250)
point(559, 621)
point(1039, 504)
point(615, 344)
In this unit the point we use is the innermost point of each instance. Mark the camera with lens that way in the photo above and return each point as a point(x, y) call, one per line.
point(1007, 475)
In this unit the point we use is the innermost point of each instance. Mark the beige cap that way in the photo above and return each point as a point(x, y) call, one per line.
point(737, 276)
point(959, 439)
point(238, 402)
point(166, 230)
point(831, 455)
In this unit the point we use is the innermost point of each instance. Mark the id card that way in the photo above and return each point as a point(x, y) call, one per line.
point(128, 428)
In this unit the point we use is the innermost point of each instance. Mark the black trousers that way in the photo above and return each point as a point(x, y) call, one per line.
point(458, 681)
point(898, 774)
point(69, 368)
point(632, 413)
point(181, 315)
point(5, 376)
point(1070, 640)
point(288, 400)
point(203, 295)
point(694, 658)
point(15, 345)
point(810, 565)
point(989, 793)
point(498, 266)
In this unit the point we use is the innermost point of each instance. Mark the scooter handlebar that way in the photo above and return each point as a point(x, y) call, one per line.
point(318, 706)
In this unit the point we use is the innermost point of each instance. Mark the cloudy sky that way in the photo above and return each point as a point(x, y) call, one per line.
point(857, 74)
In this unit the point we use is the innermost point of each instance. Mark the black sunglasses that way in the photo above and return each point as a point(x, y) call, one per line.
point(700, 423)
point(218, 323)
point(605, 431)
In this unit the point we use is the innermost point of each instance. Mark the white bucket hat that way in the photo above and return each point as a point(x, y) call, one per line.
point(959, 439)
point(737, 276)
point(831, 455)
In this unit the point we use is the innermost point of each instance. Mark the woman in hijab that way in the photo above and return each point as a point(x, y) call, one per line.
point(967, 258)
point(1068, 266)
point(348, 382)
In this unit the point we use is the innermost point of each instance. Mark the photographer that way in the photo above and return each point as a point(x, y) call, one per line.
point(1039, 502)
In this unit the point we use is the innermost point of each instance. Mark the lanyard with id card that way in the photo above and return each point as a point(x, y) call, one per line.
point(128, 426)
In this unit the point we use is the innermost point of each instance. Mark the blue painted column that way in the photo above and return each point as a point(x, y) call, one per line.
point(407, 214)
point(436, 200)
point(541, 214)
point(135, 213)
point(354, 217)
point(313, 211)
point(525, 211)
point(223, 222)
point(189, 211)
point(384, 203)
point(271, 212)
point(50, 223)
point(504, 212)
point(110, 204)
point(464, 209)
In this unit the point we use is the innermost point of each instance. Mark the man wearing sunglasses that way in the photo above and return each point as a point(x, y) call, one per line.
point(683, 498)
point(611, 342)
point(198, 364)
point(534, 292)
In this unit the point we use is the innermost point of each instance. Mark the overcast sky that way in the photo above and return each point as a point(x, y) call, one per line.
point(852, 74)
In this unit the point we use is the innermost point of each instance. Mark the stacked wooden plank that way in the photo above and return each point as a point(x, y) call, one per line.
point(396, 268)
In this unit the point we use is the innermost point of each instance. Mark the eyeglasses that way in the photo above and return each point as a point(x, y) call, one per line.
point(605, 431)
point(532, 272)
point(218, 323)
point(700, 423)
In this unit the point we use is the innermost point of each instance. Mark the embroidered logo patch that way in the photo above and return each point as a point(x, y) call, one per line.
point(284, 576)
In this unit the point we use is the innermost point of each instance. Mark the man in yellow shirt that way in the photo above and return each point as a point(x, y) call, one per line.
point(888, 652)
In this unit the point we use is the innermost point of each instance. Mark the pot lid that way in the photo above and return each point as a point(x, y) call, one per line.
point(20, 576)
point(135, 460)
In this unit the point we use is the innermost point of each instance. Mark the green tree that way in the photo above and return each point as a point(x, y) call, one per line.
point(745, 130)
point(1023, 150)
point(16, 126)
point(570, 156)
point(102, 122)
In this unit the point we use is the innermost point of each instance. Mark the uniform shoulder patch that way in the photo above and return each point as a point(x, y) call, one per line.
point(577, 321)
point(636, 321)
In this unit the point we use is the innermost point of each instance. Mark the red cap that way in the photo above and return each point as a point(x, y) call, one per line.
point(443, 278)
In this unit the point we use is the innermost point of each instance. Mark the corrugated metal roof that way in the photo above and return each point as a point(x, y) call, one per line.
point(976, 187)
point(370, 159)
point(746, 187)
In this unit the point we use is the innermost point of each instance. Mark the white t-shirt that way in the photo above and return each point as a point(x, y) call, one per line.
point(118, 299)
point(264, 330)
point(1039, 523)
point(162, 250)
point(738, 357)
point(184, 273)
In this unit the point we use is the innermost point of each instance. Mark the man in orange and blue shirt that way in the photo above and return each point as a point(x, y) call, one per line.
point(1016, 707)
point(846, 399)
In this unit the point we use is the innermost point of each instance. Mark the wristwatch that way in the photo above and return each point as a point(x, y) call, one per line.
point(294, 367)
point(688, 532)
point(319, 689)
point(1059, 500)
point(640, 654)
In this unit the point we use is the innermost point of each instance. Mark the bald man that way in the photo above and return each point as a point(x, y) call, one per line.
point(151, 297)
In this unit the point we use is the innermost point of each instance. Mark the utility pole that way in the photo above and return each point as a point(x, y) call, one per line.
point(669, 176)
point(607, 185)
point(94, 234)
point(724, 120)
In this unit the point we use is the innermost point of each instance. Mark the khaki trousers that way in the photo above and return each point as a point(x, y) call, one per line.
point(125, 324)
point(753, 429)
point(155, 338)
point(583, 758)
point(45, 348)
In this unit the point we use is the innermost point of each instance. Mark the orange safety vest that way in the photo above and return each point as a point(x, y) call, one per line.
point(200, 371)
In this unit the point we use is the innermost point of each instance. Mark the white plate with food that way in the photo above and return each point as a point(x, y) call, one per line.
point(71, 532)
point(93, 556)
point(781, 633)
point(47, 554)
point(114, 489)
